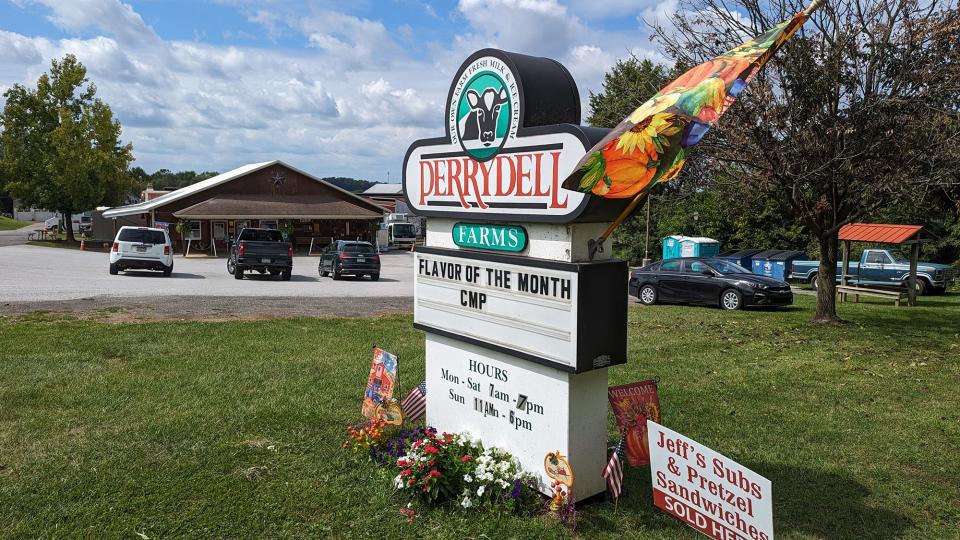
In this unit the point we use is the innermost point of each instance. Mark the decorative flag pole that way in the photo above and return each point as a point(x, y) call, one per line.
point(613, 471)
point(649, 146)
point(415, 404)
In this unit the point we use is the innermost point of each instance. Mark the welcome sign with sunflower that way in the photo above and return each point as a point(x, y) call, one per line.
point(633, 404)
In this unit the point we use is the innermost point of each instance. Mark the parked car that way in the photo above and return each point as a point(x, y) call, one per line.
point(351, 258)
point(141, 248)
point(709, 281)
point(82, 223)
point(261, 250)
point(883, 267)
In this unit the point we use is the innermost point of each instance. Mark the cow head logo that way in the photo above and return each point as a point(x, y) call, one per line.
point(484, 108)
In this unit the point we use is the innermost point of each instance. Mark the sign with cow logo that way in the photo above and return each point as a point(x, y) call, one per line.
point(520, 326)
point(484, 108)
point(505, 154)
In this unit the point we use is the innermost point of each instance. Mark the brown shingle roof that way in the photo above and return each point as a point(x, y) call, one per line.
point(278, 206)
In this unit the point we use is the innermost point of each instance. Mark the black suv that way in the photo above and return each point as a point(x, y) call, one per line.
point(351, 258)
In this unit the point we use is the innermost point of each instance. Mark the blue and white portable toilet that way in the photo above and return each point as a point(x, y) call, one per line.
point(675, 246)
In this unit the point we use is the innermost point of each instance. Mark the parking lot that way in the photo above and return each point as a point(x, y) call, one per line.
point(31, 274)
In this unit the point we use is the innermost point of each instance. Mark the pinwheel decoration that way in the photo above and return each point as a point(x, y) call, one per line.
point(649, 146)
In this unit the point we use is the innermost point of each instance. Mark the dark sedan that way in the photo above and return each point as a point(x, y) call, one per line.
point(350, 258)
point(707, 281)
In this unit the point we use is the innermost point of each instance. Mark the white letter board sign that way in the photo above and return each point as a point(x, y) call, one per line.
point(570, 316)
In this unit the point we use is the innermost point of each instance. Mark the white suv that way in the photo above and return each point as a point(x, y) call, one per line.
point(141, 248)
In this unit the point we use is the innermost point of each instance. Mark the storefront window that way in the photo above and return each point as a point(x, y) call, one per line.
point(194, 233)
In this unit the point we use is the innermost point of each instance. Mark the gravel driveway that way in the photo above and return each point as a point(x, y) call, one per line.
point(33, 278)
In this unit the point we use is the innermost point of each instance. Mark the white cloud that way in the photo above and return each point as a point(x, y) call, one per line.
point(111, 16)
point(604, 9)
point(354, 42)
point(539, 27)
point(104, 55)
point(349, 101)
point(17, 49)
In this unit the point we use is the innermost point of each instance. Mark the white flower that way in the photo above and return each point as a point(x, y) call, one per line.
point(466, 502)
point(480, 490)
point(467, 478)
point(398, 482)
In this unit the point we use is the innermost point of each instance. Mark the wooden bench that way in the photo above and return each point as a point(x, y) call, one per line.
point(897, 295)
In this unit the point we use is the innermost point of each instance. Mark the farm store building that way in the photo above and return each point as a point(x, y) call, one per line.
point(271, 195)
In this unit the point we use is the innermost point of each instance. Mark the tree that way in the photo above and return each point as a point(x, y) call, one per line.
point(61, 147)
point(164, 178)
point(857, 114)
point(352, 185)
point(625, 87)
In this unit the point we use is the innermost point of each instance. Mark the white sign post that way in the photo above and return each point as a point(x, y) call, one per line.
point(518, 336)
point(707, 490)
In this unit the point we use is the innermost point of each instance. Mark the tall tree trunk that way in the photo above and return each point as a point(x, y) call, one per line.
point(827, 281)
point(68, 226)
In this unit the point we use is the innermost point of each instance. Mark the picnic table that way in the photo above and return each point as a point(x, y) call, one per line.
point(37, 235)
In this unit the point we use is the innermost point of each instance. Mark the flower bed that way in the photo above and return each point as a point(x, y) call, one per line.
point(454, 470)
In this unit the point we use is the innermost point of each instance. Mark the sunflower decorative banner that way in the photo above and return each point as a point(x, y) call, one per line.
point(633, 404)
point(648, 147)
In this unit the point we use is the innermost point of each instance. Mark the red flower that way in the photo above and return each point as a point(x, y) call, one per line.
point(406, 472)
point(447, 438)
point(465, 458)
point(433, 474)
point(431, 449)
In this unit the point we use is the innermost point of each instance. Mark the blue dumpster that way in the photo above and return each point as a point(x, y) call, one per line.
point(762, 263)
point(743, 257)
point(689, 246)
point(783, 263)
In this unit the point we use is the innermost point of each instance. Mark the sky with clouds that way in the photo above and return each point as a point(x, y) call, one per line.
point(335, 88)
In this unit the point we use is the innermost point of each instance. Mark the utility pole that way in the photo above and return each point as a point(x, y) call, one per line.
point(646, 242)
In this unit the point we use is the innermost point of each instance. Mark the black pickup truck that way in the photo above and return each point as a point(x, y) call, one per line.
point(263, 250)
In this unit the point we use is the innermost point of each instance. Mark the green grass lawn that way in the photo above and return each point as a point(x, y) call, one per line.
point(162, 428)
point(90, 245)
point(10, 224)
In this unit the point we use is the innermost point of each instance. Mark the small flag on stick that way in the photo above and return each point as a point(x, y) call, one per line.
point(415, 404)
point(613, 472)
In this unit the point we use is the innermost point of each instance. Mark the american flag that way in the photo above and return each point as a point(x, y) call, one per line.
point(415, 404)
point(613, 472)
